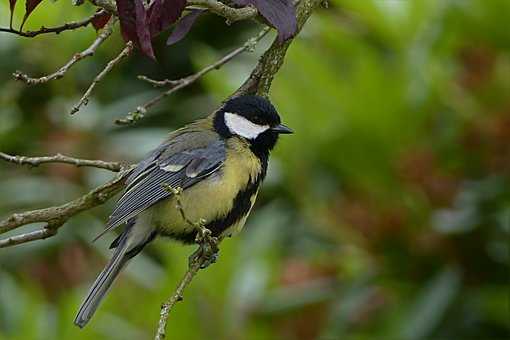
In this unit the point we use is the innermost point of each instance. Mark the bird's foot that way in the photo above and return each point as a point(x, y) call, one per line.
point(207, 252)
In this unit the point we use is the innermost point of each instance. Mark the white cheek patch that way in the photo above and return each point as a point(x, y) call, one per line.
point(241, 126)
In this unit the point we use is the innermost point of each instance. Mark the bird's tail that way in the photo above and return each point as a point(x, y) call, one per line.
point(127, 245)
point(102, 285)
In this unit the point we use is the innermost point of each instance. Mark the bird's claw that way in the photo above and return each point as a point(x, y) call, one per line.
point(207, 252)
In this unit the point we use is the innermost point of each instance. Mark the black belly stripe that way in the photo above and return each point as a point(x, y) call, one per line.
point(240, 207)
point(242, 201)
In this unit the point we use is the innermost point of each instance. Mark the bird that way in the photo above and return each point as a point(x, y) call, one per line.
point(218, 163)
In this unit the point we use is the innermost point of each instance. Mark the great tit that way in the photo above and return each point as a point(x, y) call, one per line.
point(219, 163)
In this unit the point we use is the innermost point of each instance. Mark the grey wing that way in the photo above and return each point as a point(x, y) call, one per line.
point(177, 169)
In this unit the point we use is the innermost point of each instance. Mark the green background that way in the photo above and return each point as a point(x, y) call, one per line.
point(385, 216)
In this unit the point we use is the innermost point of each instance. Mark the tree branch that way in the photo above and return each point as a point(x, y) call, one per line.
point(85, 98)
point(56, 216)
point(58, 29)
point(39, 234)
point(202, 258)
point(107, 5)
point(58, 158)
point(176, 297)
point(107, 31)
point(259, 82)
point(176, 85)
point(230, 13)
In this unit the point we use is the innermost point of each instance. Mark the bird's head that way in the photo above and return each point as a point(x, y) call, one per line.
point(252, 118)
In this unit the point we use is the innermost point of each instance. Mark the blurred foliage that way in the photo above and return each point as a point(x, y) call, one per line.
point(385, 216)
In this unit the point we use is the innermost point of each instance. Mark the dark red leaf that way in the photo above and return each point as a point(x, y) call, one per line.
point(142, 29)
point(163, 13)
point(127, 18)
point(281, 14)
point(134, 25)
point(99, 21)
point(30, 5)
point(12, 5)
point(140, 25)
point(184, 26)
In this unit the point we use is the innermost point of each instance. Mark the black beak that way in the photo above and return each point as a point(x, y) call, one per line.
point(282, 129)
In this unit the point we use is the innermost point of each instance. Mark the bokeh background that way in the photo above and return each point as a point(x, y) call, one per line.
point(385, 216)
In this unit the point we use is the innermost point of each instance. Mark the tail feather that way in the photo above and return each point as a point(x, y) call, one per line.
point(102, 285)
point(132, 240)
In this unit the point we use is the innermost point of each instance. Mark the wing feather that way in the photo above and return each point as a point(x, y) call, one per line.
point(145, 184)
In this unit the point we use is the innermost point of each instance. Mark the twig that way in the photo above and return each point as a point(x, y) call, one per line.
point(271, 61)
point(160, 83)
point(107, 5)
point(208, 248)
point(56, 216)
point(39, 234)
point(230, 13)
point(140, 111)
point(58, 29)
point(107, 31)
point(85, 98)
point(58, 158)
point(176, 297)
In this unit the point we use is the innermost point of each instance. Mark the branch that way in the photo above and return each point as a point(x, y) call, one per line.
point(56, 216)
point(230, 13)
point(58, 158)
point(176, 85)
point(39, 234)
point(259, 81)
point(177, 296)
point(58, 29)
point(108, 5)
point(202, 258)
point(107, 31)
point(85, 98)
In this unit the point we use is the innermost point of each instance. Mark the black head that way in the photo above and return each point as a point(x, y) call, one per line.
point(253, 118)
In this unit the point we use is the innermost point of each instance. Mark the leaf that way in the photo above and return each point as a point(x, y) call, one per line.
point(12, 5)
point(163, 13)
point(142, 29)
point(281, 14)
point(134, 25)
point(431, 305)
point(140, 25)
point(184, 26)
point(101, 20)
point(127, 18)
point(30, 5)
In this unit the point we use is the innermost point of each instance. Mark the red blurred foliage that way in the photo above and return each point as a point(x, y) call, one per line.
point(488, 138)
point(420, 169)
point(374, 221)
point(304, 324)
point(61, 271)
point(297, 271)
point(307, 322)
point(376, 301)
point(477, 65)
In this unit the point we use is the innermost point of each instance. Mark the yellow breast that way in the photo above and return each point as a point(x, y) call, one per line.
point(213, 197)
